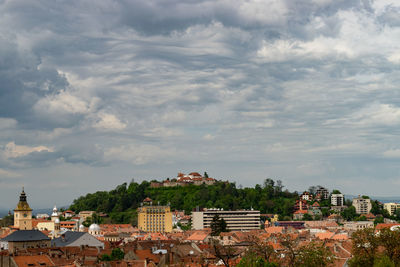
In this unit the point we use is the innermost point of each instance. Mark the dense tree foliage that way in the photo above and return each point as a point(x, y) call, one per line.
point(218, 225)
point(122, 202)
point(116, 254)
point(7, 221)
point(375, 249)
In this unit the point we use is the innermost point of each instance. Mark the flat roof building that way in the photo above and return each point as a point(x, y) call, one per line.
point(362, 205)
point(236, 220)
point(155, 219)
point(391, 207)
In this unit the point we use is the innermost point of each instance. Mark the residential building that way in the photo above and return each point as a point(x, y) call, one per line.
point(23, 214)
point(315, 210)
point(362, 205)
point(299, 214)
point(354, 226)
point(23, 239)
point(306, 196)
point(154, 218)
point(391, 207)
point(300, 205)
point(76, 239)
point(236, 220)
point(83, 215)
point(322, 192)
point(338, 209)
point(337, 199)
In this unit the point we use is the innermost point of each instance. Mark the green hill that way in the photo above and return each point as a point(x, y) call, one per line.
point(121, 203)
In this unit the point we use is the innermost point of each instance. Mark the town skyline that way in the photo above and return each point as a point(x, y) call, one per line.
point(93, 94)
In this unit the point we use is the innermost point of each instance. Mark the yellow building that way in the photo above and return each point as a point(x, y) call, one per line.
point(391, 207)
point(23, 214)
point(156, 219)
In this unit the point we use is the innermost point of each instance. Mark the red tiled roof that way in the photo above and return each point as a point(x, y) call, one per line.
point(274, 229)
point(36, 260)
point(385, 225)
point(325, 235)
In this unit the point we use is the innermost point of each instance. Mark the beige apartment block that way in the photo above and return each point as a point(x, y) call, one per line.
point(391, 207)
point(362, 205)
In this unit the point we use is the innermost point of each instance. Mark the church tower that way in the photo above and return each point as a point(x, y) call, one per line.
point(23, 214)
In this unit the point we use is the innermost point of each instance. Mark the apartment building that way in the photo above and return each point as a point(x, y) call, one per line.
point(362, 205)
point(391, 207)
point(322, 192)
point(155, 219)
point(236, 220)
point(337, 199)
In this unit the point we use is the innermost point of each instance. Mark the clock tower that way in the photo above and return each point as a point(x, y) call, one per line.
point(23, 214)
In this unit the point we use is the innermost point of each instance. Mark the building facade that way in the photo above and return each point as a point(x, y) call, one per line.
point(23, 214)
point(322, 192)
point(337, 199)
point(155, 219)
point(362, 205)
point(237, 220)
point(391, 207)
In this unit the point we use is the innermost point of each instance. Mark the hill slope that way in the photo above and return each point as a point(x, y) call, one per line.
point(122, 202)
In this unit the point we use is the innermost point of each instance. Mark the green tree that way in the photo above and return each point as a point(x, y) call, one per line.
point(379, 219)
point(365, 248)
point(7, 221)
point(117, 254)
point(218, 225)
point(349, 213)
point(314, 255)
point(307, 217)
point(384, 262)
point(390, 240)
point(253, 260)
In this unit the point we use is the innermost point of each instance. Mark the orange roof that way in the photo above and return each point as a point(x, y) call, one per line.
point(385, 225)
point(342, 236)
point(147, 199)
point(325, 235)
point(144, 254)
point(194, 174)
point(36, 260)
point(36, 221)
point(274, 229)
point(316, 204)
point(197, 236)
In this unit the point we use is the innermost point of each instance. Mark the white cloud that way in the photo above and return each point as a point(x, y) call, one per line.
point(108, 121)
point(11, 150)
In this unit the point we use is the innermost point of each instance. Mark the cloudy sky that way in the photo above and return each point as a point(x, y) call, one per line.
point(95, 93)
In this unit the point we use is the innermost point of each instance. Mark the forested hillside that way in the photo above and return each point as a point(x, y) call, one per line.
point(122, 202)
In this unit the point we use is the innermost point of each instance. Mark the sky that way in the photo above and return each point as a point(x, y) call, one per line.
point(97, 93)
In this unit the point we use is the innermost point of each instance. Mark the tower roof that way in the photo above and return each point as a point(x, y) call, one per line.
point(23, 204)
